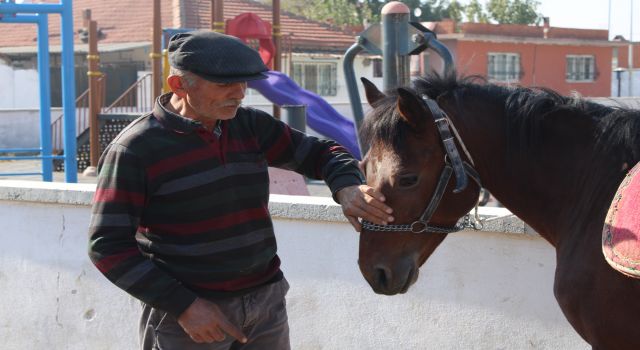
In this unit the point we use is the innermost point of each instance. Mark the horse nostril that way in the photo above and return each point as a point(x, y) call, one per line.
point(382, 276)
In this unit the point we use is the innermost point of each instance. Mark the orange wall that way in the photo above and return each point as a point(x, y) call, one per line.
point(623, 56)
point(542, 65)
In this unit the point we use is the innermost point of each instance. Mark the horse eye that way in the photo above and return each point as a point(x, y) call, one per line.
point(406, 181)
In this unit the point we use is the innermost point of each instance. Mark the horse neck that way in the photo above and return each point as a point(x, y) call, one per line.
point(546, 190)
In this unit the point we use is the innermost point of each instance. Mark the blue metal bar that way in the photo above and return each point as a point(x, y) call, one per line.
point(19, 174)
point(31, 157)
point(20, 19)
point(45, 96)
point(20, 150)
point(31, 8)
point(68, 94)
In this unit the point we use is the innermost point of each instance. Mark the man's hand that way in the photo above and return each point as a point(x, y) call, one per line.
point(205, 323)
point(364, 202)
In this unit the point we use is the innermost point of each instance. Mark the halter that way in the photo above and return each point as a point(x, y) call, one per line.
point(453, 163)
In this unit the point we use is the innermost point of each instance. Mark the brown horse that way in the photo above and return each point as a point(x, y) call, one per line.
point(554, 161)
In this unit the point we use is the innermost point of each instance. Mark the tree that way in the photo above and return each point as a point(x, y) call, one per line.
point(514, 11)
point(474, 12)
point(336, 12)
point(455, 10)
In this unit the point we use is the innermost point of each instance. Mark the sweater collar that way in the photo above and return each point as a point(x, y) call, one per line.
point(172, 120)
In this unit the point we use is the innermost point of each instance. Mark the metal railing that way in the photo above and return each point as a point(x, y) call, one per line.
point(82, 117)
point(136, 99)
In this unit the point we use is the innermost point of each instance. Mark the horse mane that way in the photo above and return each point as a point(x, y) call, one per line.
point(617, 129)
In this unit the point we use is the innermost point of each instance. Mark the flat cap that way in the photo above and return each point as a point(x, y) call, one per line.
point(215, 57)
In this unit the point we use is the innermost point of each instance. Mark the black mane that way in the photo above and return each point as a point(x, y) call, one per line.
point(617, 129)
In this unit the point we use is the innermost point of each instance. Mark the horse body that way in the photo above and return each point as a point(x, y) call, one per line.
point(555, 162)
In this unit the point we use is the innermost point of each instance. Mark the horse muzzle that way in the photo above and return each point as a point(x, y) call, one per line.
point(386, 280)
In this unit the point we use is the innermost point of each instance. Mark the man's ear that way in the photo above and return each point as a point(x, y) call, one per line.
point(176, 84)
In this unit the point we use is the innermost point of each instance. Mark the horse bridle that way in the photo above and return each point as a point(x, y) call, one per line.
point(453, 163)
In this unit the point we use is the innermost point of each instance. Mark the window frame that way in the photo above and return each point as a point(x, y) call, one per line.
point(509, 76)
point(322, 88)
point(576, 63)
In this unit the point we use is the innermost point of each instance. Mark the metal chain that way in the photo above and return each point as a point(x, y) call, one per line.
point(466, 222)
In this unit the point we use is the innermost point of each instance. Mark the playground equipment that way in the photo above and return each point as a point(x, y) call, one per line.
point(395, 39)
point(10, 12)
point(321, 117)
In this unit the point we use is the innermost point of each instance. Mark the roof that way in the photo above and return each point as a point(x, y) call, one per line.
point(298, 32)
point(468, 31)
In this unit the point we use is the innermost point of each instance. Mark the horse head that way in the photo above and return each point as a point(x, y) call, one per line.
point(407, 161)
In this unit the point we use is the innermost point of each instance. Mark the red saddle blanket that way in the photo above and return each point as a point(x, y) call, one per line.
point(621, 233)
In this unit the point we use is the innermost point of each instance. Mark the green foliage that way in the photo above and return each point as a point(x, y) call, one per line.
point(514, 11)
point(353, 12)
point(475, 13)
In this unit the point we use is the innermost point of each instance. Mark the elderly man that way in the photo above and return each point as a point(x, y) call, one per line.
point(180, 215)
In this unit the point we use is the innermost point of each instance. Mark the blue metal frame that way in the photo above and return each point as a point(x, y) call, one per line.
point(39, 16)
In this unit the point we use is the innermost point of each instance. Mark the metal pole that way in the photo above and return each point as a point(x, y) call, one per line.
point(296, 116)
point(9, 7)
point(156, 55)
point(277, 37)
point(94, 104)
point(630, 93)
point(68, 94)
point(618, 72)
point(395, 58)
point(352, 88)
point(217, 16)
point(45, 96)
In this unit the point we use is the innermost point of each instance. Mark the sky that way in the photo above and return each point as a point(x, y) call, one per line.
point(593, 14)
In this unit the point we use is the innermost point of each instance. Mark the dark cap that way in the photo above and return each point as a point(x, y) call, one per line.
point(216, 57)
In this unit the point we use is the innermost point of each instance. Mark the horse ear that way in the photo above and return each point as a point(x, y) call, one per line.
point(373, 94)
point(411, 109)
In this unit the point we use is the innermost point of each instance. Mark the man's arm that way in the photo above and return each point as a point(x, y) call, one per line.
point(322, 159)
point(120, 197)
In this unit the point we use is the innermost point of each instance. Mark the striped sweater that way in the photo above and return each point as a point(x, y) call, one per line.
point(180, 212)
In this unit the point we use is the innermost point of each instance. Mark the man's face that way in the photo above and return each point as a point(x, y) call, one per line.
point(214, 101)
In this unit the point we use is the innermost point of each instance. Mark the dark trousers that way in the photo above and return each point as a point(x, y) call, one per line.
point(261, 315)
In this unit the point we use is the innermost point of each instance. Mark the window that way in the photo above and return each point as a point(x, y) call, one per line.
point(377, 67)
point(580, 68)
point(320, 78)
point(503, 67)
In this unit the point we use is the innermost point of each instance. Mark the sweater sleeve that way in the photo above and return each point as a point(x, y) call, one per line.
point(291, 149)
point(118, 207)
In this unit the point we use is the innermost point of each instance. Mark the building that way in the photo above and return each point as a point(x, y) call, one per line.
point(311, 51)
point(563, 59)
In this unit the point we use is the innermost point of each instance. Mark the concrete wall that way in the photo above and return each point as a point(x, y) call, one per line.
point(20, 87)
point(480, 290)
point(20, 128)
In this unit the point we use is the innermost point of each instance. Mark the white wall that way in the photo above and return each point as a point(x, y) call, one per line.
point(624, 83)
point(20, 87)
point(480, 290)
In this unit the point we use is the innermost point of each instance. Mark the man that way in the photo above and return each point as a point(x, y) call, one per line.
point(180, 215)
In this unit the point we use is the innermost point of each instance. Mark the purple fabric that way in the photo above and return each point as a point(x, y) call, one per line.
point(321, 117)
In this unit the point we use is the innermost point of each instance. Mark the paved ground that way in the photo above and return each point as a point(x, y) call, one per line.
point(316, 188)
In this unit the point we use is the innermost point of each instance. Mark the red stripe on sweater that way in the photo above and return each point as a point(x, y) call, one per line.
point(280, 145)
point(217, 223)
point(249, 144)
point(181, 160)
point(246, 281)
point(105, 265)
point(114, 195)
